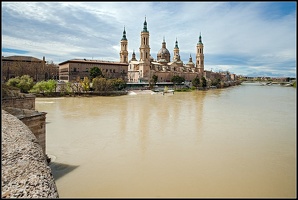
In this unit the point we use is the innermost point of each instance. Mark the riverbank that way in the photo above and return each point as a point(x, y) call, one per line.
point(86, 94)
point(140, 89)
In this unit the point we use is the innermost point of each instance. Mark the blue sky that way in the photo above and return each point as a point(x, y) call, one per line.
point(245, 38)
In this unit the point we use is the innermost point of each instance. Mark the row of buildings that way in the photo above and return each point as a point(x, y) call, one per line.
point(38, 69)
point(133, 71)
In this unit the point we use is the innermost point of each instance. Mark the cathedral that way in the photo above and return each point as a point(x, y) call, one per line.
point(163, 67)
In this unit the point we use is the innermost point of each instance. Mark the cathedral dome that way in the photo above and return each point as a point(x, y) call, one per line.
point(163, 51)
point(163, 54)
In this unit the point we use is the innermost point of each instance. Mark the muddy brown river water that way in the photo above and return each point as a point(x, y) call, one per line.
point(233, 142)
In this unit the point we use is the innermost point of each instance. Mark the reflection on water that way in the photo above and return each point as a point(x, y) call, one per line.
point(233, 142)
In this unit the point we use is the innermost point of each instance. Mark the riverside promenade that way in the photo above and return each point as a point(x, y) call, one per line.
point(25, 172)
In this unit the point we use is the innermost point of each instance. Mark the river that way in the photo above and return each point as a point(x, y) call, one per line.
point(234, 142)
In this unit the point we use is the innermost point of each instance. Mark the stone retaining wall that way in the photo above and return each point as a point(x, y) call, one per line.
point(36, 121)
point(26, 102)
point(25, 172)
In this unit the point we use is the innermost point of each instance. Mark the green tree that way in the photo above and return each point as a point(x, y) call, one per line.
point(103, 84)
point(119, 84)
point(44, 87)
point(177, 79)
point(99, 84)
point(95, 72)
point(24, 83)
point(196, 82)
point(51, 86)
point(39, 87)
point(153, 81)
point(215, 82)
point(154, 78)
point(204, 82)
point(110, 84)
point(13, 82)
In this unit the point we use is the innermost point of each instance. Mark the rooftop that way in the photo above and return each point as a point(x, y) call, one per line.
point(21, 58)
point(92, 61)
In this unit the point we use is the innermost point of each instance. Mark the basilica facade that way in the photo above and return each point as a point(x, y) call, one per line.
point(163, 67)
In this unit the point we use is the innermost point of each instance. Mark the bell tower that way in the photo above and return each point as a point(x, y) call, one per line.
point(123, 51)
point(176, 52)
point(144, 48)
point(200, 56)
point(144, 65)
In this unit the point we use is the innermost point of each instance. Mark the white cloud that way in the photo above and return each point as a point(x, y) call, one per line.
point(252, 34)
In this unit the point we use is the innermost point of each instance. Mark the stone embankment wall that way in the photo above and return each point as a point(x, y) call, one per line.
point(36, 121)
point(27, 101)
point(25, 172)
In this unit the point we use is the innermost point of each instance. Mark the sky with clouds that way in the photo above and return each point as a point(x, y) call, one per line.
point(245, 38)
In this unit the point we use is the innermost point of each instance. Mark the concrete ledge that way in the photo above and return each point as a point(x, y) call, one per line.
point(25, 173)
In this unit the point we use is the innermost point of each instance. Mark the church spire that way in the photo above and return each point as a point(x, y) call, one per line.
point(133, 56)
point(190, 58)
point(176, 44)
point(145, 26)
point(124, 35)
point(200, 39)
point(164, 43)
